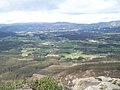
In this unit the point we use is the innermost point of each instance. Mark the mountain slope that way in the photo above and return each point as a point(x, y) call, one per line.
point(56, 26)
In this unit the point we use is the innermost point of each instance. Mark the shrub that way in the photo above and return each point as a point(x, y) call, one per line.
point(46, 83)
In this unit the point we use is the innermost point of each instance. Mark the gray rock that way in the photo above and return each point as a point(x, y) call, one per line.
point(96, 83)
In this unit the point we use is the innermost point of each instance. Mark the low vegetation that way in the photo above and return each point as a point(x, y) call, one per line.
point(46, 83)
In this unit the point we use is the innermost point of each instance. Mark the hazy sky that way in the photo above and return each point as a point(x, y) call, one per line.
point(77, 11)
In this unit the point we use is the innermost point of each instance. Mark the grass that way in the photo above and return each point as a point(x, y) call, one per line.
point(80, 54)
point(46, 43)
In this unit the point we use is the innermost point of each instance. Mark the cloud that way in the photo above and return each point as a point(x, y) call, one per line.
point(62, 6)
point(29, 5)
point(90, 6)
point(78, 11)
point(37, 16)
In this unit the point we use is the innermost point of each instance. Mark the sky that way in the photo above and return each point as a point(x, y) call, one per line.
point(75, 11)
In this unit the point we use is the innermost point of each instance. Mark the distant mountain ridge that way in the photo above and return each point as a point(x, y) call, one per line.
point(56, 26)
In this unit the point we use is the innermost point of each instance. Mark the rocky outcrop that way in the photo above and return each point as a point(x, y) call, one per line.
point(96, 83)
point(36, 77)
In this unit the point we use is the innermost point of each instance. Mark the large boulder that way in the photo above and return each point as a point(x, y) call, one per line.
point(96, 83)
